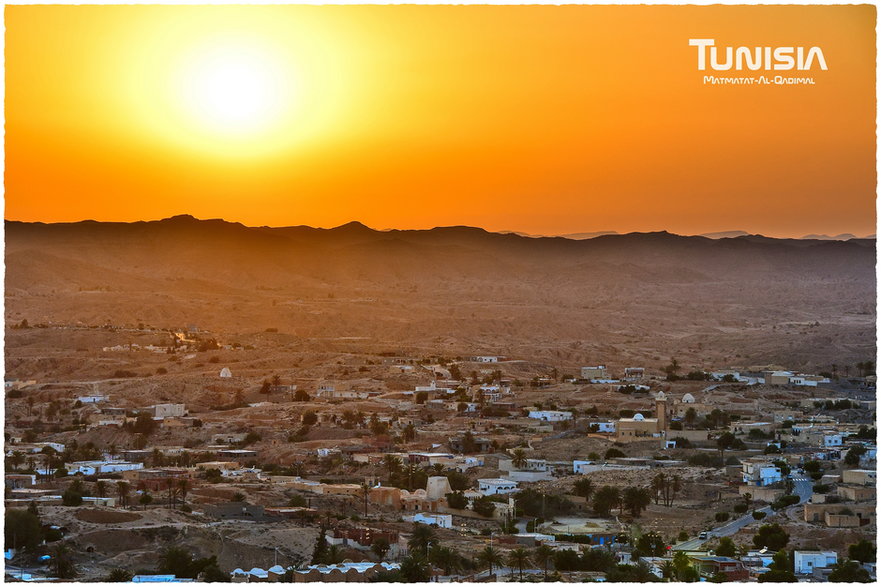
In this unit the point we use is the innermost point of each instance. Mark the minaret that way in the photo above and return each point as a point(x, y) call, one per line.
point(661, 411)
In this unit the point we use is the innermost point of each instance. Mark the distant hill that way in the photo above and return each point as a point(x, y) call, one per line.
point(825, 237)
point(636, 297)
point(726, 234)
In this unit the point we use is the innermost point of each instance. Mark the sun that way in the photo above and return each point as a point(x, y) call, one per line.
point(235, 89)
point(239, 89)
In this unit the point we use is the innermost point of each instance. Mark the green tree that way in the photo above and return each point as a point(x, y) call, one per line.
point(519, 460)
point(725, 442)
point(650, 544)
point(61, 563)
point(726, 547)
point(319, 551)
point(469, 444)
point(392, 464)
point(519, 558)
point(445, 558)
point(852, 458)
point(457, 500)
point(543, 555)
point(21, 529)
point(144, 424)
point(771, 536)
point(118, 576)
point(380, 548)
point(636, 499)
point(409, 433)
point(73, 495)
point(781, 569)
point(863, 551)
point(489, 557)
point(415, 568)
point(484, 506)
point(175, 560)
point(122, 491)
point(849, 571)
point(16, 459)
point(420, 538)
point(605, 499)
point(583, 488)
point(672, 369)
point(683, 569)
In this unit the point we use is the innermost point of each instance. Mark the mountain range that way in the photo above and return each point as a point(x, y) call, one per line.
point(638, 297)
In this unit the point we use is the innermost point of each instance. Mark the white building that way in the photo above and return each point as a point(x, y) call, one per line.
point(496, 486)
point(95, 467)
point(634, 373)
point(169, 410)
point(805, 561)
point(761, 473)
point(550, 415)
point(830, 440)
point(597, 372)
point(579, 467)
point(225, 373)
point(439, 520)
point(485, 359)
point(93, 399)
point(604, 427)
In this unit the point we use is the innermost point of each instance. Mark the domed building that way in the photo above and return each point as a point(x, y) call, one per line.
point(641, 428)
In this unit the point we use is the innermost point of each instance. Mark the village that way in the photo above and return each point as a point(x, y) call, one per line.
point(396, 466)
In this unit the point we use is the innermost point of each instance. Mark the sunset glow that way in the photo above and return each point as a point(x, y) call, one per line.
point(547, 120)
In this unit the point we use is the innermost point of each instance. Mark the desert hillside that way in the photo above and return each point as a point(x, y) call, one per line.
point(634, 298)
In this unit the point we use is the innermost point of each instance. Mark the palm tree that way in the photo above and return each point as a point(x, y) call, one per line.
point(365, 492)
point(675, 485)
point(445, 558)
point(747, 498)
point(122, 490)
point(421, 537)
point(61, 563)
point(410, 470)
point(100, 488)
point(437, 469)
point(16, 459)
point(490, 556)
point(519, 460)
point(392, 464)
point(519, 558)
point(543, 555)
point(169, 485)
point(183, 489)
point(659, 482)
point(334, 555)
point(409, 433)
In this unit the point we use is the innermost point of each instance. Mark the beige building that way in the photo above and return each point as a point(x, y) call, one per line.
point(641, 428)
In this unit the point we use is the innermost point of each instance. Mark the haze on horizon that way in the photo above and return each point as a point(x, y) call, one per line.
point(536, 119)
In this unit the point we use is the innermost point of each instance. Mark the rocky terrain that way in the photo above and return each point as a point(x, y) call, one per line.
point(639, 298)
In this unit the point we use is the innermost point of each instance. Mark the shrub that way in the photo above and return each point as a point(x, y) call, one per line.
point(614, 453)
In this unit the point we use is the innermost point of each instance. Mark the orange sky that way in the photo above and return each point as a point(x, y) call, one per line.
point(547, 120)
